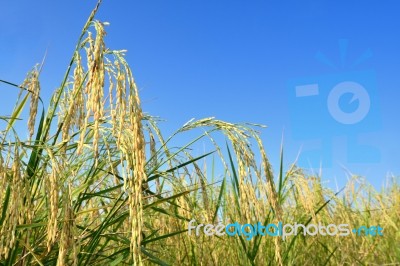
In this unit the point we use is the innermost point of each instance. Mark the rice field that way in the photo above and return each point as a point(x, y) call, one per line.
point(98, 183)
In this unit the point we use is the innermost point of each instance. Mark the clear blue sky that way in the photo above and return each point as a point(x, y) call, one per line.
point(241, 61)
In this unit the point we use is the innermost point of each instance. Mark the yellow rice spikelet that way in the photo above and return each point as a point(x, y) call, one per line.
point(32, 84)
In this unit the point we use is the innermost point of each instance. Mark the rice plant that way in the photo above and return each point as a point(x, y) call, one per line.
point(97, 183)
